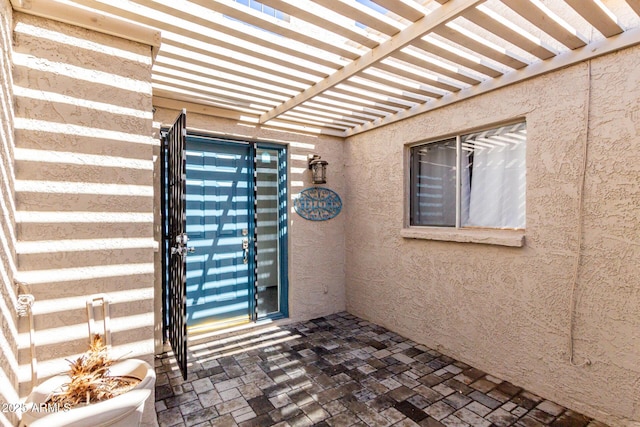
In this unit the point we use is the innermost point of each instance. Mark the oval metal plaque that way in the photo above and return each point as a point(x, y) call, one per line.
point(317, 204)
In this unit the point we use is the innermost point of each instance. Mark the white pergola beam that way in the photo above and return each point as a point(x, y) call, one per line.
point(593, 14)
point(602, 47)
point(407, 9)
point(90, 20)
point(540, 19)
point(171, 102)
point(305, 12)
point(635, 5)
point(440, 16)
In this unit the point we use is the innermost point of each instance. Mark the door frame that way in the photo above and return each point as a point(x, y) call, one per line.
point(283, 224)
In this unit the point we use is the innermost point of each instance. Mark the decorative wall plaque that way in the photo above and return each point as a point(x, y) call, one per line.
point(317, 204)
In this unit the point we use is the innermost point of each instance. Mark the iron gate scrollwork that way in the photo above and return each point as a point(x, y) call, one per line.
point(175, 140)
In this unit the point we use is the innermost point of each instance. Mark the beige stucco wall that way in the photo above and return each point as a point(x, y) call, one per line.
point(8, 291)
point(84, 189)
point(316, 248)
point(507, 310)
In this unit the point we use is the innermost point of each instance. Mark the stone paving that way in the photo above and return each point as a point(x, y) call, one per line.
point(340, 371)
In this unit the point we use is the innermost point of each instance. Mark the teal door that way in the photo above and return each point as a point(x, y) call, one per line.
point(219, 211)
point(225, 233)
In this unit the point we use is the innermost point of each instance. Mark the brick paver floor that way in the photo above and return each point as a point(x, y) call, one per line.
point(340, 371)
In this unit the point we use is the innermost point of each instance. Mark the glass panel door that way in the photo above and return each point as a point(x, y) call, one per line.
point(236, 220)
point(268, 232)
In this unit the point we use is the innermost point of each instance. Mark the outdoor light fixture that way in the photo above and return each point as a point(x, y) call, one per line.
point(318, 169)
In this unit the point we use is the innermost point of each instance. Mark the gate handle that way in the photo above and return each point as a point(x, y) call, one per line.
point(245, 248)
point(181, 247)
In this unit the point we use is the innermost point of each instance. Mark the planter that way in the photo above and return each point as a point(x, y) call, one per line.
point(124, 410)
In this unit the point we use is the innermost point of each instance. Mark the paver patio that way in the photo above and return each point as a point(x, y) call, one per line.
point(339, 370)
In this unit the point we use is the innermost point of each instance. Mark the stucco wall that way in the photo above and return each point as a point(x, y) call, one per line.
point(316, 248)
point(84, 189)
point(8, 291)
point(507, 310)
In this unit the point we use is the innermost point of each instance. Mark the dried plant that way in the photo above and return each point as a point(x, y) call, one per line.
point(90, 381)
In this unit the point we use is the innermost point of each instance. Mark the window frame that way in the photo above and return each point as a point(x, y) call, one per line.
point(513, 237)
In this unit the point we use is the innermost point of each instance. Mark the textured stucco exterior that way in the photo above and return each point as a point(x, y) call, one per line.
point(8, 291)
point(80, 202)
point(84, 190)
point(316, 248)
point(503, 309)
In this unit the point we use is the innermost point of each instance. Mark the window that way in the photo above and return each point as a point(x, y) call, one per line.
point(473, 180)
point(264, 9)
point(370, 4)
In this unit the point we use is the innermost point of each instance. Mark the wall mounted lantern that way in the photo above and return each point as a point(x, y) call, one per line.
point(318, 169)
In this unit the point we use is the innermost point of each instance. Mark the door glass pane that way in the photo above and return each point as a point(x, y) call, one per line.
point(494, 179)
point(267, 224)
point(433, 184)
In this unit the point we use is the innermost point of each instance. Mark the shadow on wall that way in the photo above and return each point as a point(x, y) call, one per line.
point(8, 297)
point(84, 189)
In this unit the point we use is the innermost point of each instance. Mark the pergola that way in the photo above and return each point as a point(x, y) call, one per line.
point(341, 67)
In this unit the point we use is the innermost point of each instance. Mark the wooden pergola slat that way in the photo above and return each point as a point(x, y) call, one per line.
point(501, 30)
point(455, 58)
point(540, 19)
point(332, 114)
point(439, 17)
point(361, 14)
point(595, 16)
point(317, 118)
point(434, 68)
point(218, 86)
point(249, 80)
point(212, 93)
point(365, 82)
point(627, 39)
point(220, 61)
point(348, 110)
point(364, 100)
point(340, 67)
point(479, 48)
point(299, 9)
point(215, 21)
point(397, 82)
point(635, 5)
point(368, 106)
point(395, 67)
point(361, 91)
point(252, 17)
point(409, 10)
point(294, 119)
point(148, 19)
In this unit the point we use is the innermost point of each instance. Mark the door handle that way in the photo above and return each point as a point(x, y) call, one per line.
point(181, 247)
point(245, 249)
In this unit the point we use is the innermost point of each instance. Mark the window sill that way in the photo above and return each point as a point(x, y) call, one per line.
point(512, 238)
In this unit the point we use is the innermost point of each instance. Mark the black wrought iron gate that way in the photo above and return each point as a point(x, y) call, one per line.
point(176, 242)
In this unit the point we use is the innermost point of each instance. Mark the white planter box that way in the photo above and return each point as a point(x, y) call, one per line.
point(124, 410)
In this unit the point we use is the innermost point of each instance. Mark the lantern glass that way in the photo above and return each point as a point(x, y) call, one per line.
point(319, 171)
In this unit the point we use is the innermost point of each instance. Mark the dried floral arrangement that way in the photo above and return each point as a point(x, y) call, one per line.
point(90, 380)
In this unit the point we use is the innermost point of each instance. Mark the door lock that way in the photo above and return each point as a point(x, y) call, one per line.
point(181, 247)
point(245, 249)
